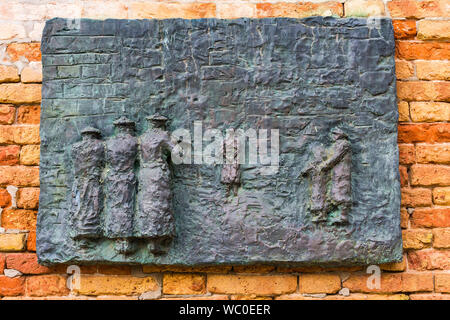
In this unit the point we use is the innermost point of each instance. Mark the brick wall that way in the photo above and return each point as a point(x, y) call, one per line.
point(422, 31)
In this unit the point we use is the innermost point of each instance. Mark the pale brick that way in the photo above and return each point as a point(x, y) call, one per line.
point(249, 284)
point(12, 241)
point(29, 155)
point(32, 74)
point(20, 176)
point(184, 283)
point(20, 93)
point(19, 134)
point(109, 10)
point(319, 283)
point(153, 10)
point(441, 238)
point(429, 111)
point(8, 74)
point(364, 8)
point(298, 10)
point(441, 196)
point(10, 31)
point(416, 238)
point(443, 283)
point(433, 30)
point(428, 175)
point(404, 69)
point(93, 285)
point(233, 11)
point(433, 69)
point(403, 111)
point(433, 153)
point(423, 91)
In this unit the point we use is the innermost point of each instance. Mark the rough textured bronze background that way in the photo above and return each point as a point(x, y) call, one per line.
point(303, 76)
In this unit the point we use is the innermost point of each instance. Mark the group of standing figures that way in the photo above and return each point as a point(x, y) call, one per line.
point(121, 187)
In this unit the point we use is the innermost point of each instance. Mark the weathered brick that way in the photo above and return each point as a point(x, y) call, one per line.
point(29, 114)
point(12, 241)
point(12, 10)
point(428, 175)
point(394, 266)
point(404, 178)
point(5, 198)
point(7, 113)
point(430, 218)
point(251, 284)
point(47, 285)
point(416, 282)
point(429, 296)
point(433, 69)
point(319, 283)
point(404, 29)
point(404, 218)
point(182, 283)
point(404, 69)
point(26, 263)
point(416, 197)
point(31, 241)
point(433, 153)
point(235, 10)
point(364, 8)
point(9, 74)
point(433, 30)
point(2, 262)
point(19, 219)
point(424, 132)
point(110, 10)
point(10, 31)
point(19, 176)
point(30, 51)
point(29, 155)
point(141, 10)
point(441, 238)
point(19, 134)
point(429, 259)
point(413, 50)
point(31, 75)
point(28, 198)
point(9, 155)
point(388, 283)
point(403, 111)
point(423, 91)
point(443, 283)
point(20, 93)
point(429, 111)
point(93, 285)
point(406, 153)
point(416, 238)
point(11, 287)
point(298, 10)
point(417, 9)
point(441, 196)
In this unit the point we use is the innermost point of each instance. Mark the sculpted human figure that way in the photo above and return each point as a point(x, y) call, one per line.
point(120, 182)
point(331, 179)
point(87, 196)
point(154, 218)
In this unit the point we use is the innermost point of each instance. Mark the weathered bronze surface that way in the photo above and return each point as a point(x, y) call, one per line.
point(115, 91)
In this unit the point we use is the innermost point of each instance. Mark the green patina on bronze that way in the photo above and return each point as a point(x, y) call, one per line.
point(327, 84)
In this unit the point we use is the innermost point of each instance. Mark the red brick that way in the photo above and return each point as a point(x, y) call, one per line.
point(417, 9)
point(31, 51)
point(2, 263)
point(423, 90)
point(403, 176)
point(388, 283)
point(31, 241)
point(430, 218)
point(424, 132)
point(415, 197)
point(443, 283)
point(11, 287)
point(416, 282)
point(19, 219)
point(428, 175)
point(429, 259)
point(28, 198)
point(404, 69)
point(7, 113)
point(29, 114)
point(418, 50)
point(26, 263)
point(48, 285)
point(9, 155)
point(20, 176)
point(404, 218)
point(184, 283)
point(406, 153)
point(404, 29)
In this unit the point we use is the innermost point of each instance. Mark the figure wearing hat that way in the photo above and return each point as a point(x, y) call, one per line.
point(120, 183)
point(331, 180)
point(154, 218)
point(87, 197)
